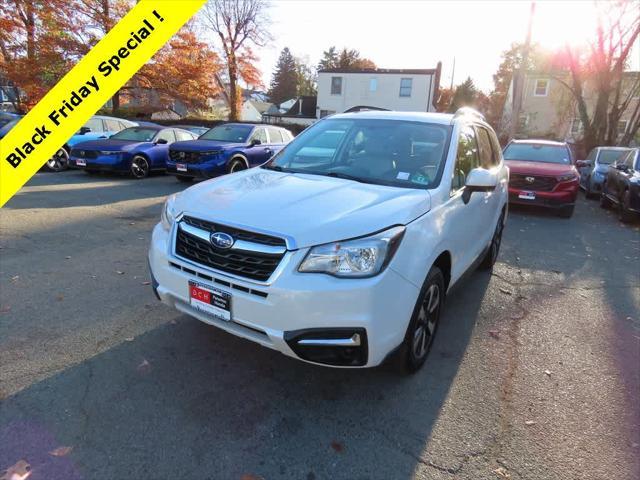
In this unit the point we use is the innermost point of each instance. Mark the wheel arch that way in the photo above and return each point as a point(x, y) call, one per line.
point(443, 262)
point(238, 156)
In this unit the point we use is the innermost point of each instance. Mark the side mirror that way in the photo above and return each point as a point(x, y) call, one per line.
point(255, 142)
point(479, 180)
point(583, 163)
point(622, 167)
point(84, 130)
point(161, 141)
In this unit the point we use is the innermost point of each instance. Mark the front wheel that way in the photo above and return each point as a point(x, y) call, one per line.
point(494, 247)
point(237, 165)
point(139, 167)
point(59, 161)
point(424, 322)
point(587, 189)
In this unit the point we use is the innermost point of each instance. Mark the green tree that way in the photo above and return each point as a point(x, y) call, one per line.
point(347, 59)
point(306, 77)
point(465, 95)
point(284, 82)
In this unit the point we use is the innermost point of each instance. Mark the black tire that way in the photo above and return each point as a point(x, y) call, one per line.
point(587, 190)
point(566, 212)
point(626, 215)
point(184, 178)
point(604, 201)
point(140, 167)
point(236, 165)
point(59, 162)
point(494, 247)
point(423, 325)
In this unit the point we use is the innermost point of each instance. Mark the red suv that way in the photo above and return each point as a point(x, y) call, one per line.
point(542, 174)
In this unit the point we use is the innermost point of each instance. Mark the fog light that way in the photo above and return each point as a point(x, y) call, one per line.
point(337, 346)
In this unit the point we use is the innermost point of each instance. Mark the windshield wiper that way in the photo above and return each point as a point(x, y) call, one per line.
point(276, 168)
point(346, 176)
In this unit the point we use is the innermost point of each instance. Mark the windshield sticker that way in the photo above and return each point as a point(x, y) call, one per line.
point(420, 178)
point(403, 176)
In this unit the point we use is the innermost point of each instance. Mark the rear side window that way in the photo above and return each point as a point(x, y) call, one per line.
point(95, 124)
point(487, 157)
point(182, 135)
point(167, 135)
point(260, 134)
point(466, 158)
point(112, 125)
point(275, 136)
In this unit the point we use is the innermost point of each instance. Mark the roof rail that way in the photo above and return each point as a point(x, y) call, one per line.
point(468, 111)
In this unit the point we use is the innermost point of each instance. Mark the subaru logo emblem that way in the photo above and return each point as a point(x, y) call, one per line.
point(221, 240)
point(182, 154)
point(530, 179)
point(82, 153)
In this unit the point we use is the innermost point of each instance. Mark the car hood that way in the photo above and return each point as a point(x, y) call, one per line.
point(311, 209)
point(108, 144)
point(538, 168)
point(203, 145)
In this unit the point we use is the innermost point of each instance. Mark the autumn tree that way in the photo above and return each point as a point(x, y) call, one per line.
point(239, 25)
point(347, 59)
point(306, 77)
point(443, 103)
point(597, 81)
point(284, 82)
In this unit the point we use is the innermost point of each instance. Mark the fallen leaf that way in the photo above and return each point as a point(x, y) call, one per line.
point(20, 471)
point(548, 373)
point(61, 451)
point(5, 309)
point(129, 339)
point(173, 322)
point(144, 366)
point(146, 283)
point(60, 298)
point(529, 422)
point(337, 446)
point(251, 476)
point(15, 278)
point(505, 291)
point(67, 258)
point(502, 472)
point(132, 223)
point(495, 334)
point(119, 272)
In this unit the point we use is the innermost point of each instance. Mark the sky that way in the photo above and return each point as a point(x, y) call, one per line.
point(419, 33)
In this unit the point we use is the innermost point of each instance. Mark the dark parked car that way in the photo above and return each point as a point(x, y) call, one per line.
point(593, 169)
point(135, 150)
point(622, 187)
point(226, 148)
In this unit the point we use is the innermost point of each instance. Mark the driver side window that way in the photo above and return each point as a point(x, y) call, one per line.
point(466, 158)
point(166, 135)
point(260, 134)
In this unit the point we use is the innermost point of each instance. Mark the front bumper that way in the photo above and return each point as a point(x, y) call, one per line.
point(563, 195)
point(104, 163)
point(207, 169)
point(291, 304)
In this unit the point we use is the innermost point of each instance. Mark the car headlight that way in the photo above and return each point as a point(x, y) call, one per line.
point(168, 215)
point(567, 177)
point(108, 152)
point(362, 257)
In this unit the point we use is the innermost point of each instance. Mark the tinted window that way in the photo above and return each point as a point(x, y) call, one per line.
point(275, 136)
point(486, 150)
point(136, 134)
point(592, 155)
point(534, 152)
point(182, 135)
point(167, 135)
point(388, 152)
point(607, 157)
point(228, 133)
point(95, 124)
point(466, 158)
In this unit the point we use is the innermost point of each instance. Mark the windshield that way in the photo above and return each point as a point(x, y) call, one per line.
point(136, 134)
point(228, 133)
point(533, 152)
point(607, 157)
point(387, 152)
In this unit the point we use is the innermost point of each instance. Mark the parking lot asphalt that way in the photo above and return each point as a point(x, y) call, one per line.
point(535, 373)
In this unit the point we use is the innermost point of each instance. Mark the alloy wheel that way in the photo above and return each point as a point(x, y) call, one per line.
point(59, 161)
point(427, 322)
point(139, 167)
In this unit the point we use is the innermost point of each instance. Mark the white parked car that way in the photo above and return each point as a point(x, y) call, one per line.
point(341, 248)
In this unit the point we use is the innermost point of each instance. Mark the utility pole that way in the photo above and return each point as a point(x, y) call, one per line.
point(518, 79)
point(453, 71)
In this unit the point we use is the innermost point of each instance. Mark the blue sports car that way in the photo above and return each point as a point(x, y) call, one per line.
point(135, 150)
point(226, 148)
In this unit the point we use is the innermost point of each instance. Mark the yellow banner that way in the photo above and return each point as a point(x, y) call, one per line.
point(87, 87)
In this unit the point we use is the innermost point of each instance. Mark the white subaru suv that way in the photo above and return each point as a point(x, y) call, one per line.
point(341, 248)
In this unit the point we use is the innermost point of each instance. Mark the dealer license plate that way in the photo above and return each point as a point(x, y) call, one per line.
point(181, 167)
point(81, 162)
point(211, 301)
point(527, 195)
